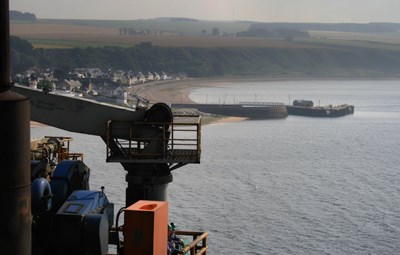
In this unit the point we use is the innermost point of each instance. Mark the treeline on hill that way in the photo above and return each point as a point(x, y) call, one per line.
point(17, 15)
point(274, 33)
point(209, 62)
point(374, 27)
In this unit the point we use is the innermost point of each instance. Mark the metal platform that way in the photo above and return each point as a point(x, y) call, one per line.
point(177, 142)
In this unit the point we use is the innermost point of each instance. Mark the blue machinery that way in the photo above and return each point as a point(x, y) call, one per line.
point(68, 218)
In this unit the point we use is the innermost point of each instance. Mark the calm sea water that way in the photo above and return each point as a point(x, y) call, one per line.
point(293, 186)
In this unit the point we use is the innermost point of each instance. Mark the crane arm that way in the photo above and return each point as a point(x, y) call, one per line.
point(132, 136)
point(75, 114)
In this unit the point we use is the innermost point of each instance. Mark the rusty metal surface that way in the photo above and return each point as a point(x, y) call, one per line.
point(15, 227)
point(15, 191)
point(15, 187)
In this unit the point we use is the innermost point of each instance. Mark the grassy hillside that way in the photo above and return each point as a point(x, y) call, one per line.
point(89, 43)
point(85, 33)
point(50, 33)
point(47, 27)
point(229, 61)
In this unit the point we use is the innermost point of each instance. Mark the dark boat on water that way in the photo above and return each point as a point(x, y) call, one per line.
point(307, 108)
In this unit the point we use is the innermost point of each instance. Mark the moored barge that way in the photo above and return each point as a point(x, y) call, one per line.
point(307, 108)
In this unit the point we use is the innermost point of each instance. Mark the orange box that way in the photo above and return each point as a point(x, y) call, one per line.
point(146, 228)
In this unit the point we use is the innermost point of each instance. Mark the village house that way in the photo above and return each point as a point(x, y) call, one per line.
point(113, 95)
point(87, 85)
point(75, 76)
point(88, 72)
point(117, 75)
point(134, 79)
point(126, 80)
point(141, 77)
point(164, 76)
point(69, 84)
point(150, 76)
point(156, 76)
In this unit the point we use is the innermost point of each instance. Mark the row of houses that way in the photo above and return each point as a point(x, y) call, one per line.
point(110, 86)
point(98, 89)
point(123, 77)
point(118, 76)
point(131, 78)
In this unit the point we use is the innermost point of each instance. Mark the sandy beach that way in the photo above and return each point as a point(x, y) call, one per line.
point(179, 91)
point(171, 91)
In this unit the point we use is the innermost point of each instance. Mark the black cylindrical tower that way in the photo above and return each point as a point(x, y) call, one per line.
point(147, 182)
point(15, 190)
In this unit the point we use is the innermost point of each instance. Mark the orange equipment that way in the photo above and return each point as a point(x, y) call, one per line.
point(146, 228)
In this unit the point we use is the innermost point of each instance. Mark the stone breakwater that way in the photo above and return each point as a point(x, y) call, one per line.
point(275, 111)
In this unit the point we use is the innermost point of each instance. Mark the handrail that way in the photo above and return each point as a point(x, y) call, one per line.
point(199, 244)
point(175, 142)
point(261, 103)
point(75, 156)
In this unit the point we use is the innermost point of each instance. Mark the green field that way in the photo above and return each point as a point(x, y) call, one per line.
point(89, 33)
point(184, 48)
point(184, 27)
point(53, 33)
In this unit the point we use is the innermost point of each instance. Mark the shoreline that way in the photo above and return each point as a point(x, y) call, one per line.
point(173, 91)
point(179, 91)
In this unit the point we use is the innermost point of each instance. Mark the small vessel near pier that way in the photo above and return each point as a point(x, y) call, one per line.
point(307, 108)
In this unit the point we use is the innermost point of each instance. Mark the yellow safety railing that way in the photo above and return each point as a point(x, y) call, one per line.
point(197, 246)
point(176, 142)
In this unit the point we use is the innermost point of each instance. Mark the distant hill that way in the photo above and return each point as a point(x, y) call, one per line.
point(276, 33)
point(176, 19)
point(342, 27)
point(335, 61)
point(17, 15)
point(321, 51)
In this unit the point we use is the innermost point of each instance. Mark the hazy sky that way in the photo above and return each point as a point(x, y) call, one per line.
point(360, 11)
